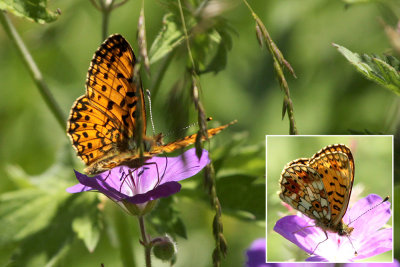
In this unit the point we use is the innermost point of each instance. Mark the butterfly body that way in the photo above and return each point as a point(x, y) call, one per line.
point(320, 187)
point(107, 125)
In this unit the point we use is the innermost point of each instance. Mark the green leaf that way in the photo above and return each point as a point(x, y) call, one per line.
point(179, 228)
point(237, 158)
point(242, 196)
point(224, 43)
point(21, 213)
point(167, 39)
point(240, 182)
point(165, 218)
point(34, 10)
point(383, 70)
point(38, 219)
point(88, 225)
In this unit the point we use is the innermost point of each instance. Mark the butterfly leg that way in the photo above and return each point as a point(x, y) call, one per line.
point(326, 235)
point(302, 228)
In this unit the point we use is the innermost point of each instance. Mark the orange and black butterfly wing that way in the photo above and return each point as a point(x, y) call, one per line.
point(337, 148)
point(303, 189)
point(103, 121)
point(335, 164)
point(186, 141)
point(300, 161)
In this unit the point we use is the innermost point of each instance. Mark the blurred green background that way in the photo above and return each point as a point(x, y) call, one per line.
point(329, 97)
point(373, 175)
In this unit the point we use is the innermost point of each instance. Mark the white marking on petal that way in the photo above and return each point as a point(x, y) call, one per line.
point(127, 190)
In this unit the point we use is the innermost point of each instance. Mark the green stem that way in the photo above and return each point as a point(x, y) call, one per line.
point(145, 241)
point(279, 63)
point(33, 69)
point(105, 22)
point(186, 34)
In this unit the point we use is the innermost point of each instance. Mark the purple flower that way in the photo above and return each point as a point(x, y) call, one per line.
point(157, 178)
point(368, 264)
point(256, 254)
point(367, 237)
point(256, 257)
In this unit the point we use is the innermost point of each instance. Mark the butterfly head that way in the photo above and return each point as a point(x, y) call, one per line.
point(344, 229)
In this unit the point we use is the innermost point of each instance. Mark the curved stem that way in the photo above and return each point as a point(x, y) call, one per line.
point(145, 241)
point(279, 63)
point(33, 69)
point(186, 34)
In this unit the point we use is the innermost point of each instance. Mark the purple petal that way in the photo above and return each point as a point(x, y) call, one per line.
point(316, 259)
point(156, 178)
point(293, 229)
point(106, 186)
point(377, 243)
point(173, 169)
point(160, 191)
point(78, 188)
point(160, 170)
point(256, 254)
point(395, 263)
point(366, 238)
point(371, 221)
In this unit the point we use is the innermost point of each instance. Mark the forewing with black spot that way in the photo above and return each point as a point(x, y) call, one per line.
point(105, 119)
point(302, 188)
point(335, 164)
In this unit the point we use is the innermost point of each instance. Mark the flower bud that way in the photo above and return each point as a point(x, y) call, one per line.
point(164, 248)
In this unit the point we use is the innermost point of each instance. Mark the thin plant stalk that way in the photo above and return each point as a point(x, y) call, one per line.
point(145, 241)
point(279, 63)
point(33, 70)
point(106, 6)
point(221, 244)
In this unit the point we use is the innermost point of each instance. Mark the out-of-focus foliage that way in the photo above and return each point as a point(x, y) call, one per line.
point(45, 225)
point(40, 219)
point(384, 70)
point(34, 10)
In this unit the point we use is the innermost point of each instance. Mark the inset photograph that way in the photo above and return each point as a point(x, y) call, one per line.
point(329, 198)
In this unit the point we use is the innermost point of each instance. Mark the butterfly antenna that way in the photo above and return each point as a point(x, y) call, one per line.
point(187, 127)
point(151, 113)
point(380, 203)
point(355, 251)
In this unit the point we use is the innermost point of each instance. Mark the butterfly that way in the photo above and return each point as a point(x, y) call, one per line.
point(320, 187)
point(106, 123)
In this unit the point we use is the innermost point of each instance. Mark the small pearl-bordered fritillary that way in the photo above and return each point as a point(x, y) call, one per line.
point(106, 123)
point(320, 187)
